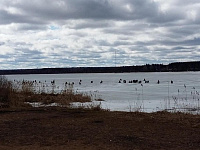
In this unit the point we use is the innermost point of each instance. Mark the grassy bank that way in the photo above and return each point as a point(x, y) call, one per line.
point(76, 129)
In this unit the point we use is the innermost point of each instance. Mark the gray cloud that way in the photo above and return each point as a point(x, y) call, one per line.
point(2, 43)
point(39, 12)
point(92, 24)
point(43, 33)
point(27, 27)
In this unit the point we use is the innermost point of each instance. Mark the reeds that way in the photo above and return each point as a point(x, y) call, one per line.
point(23, 93)
point(5, 91)
point(90, 106)
point(138, 101)
point(185, 102)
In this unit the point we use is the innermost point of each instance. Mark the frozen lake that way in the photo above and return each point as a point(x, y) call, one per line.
point(182, 94)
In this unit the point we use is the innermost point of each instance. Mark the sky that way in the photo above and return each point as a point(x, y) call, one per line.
point(97, 33)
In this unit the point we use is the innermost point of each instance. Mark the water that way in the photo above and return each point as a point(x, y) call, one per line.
point(148, 97)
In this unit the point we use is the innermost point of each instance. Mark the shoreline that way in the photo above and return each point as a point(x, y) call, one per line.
point(172, 67)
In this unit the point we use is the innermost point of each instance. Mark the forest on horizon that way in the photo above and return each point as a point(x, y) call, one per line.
point(172, 67)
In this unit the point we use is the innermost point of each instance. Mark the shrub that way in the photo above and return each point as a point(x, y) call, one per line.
point(5, 89)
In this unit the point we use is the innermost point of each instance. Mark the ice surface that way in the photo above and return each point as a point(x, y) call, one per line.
point(182, 94)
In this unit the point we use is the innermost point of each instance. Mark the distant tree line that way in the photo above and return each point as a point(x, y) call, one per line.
point(173, 67)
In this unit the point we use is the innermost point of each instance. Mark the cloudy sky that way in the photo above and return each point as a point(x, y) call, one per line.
point(76, 33)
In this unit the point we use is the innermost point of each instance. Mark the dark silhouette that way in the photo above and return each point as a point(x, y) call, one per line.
point(158, 82)
point(172, 67)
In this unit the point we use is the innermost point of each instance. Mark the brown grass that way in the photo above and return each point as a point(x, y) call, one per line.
point(5, 91)
point(16, 94)
point(91, 130)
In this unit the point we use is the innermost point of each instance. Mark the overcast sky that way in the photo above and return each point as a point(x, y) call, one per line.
point(76, 33)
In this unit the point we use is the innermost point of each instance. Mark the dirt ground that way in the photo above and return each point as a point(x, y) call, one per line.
point(50, 129)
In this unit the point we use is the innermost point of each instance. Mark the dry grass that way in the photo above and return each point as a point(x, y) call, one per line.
point(17, 94)
point(88, 129)
point(92, 107)
point(5, 91)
